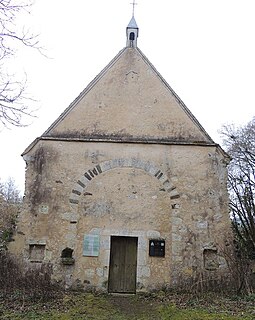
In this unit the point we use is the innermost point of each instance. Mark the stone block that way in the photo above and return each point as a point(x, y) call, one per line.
point(176, 221)
point(153, 234)
point(176, 237)
point(100, 272)
point(106, 166)
point(202, 225)
point(89, 273)
point(95, 231)
point(143, 272)
point(142, 257)
point(69, 216)
point(177, 248)
point(177, 258)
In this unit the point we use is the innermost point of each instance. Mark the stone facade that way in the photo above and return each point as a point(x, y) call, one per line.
point(125, 159)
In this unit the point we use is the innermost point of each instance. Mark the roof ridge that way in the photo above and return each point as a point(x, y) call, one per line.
point(179, 100)
point(85, 91)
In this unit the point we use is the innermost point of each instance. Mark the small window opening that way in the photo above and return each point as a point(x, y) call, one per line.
point(67, 256)
point(36, 252)
point(67, 253)
point(132, 36)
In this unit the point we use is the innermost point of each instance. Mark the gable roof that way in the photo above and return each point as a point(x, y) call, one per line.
point(128, 101)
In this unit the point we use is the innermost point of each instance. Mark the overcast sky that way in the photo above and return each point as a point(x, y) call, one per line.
point(205, 50)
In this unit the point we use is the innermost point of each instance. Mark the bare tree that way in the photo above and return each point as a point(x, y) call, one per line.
point(10, 203)
point(240, 144)
point(10, 192)
point(13, 101)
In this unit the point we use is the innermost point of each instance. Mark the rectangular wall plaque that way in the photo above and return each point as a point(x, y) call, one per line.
point(91, 245)
point(157, 248)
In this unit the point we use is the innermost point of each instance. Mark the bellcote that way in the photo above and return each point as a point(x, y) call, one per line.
point(132, 33)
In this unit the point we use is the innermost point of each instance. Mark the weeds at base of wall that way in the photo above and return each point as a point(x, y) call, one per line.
point(239, 280)
point(237, 277)
point(241, 270)
point(204, 282)
point(19, 281)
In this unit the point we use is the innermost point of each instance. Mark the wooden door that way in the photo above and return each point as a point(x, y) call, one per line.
point(123, 264)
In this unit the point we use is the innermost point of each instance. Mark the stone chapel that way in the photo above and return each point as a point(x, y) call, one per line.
point(125, 191)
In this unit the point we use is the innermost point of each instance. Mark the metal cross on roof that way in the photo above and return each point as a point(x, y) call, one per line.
point(133, 4)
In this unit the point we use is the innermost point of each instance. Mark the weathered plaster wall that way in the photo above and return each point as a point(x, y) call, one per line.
point(129, 100)
point(173, 192)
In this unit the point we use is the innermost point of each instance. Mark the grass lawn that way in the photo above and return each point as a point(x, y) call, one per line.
point(160, 306)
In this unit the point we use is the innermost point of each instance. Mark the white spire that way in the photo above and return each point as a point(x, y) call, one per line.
point(132, 33)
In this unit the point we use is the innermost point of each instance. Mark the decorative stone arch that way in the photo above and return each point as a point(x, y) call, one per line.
point(134, 163)
point(151, 169)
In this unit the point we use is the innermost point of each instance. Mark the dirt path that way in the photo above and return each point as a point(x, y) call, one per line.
point(135, 307)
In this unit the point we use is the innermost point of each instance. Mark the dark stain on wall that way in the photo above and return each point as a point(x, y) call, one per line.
point(38, 191)
point(39, 160)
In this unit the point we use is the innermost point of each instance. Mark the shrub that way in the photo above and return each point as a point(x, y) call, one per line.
point(20, 280)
